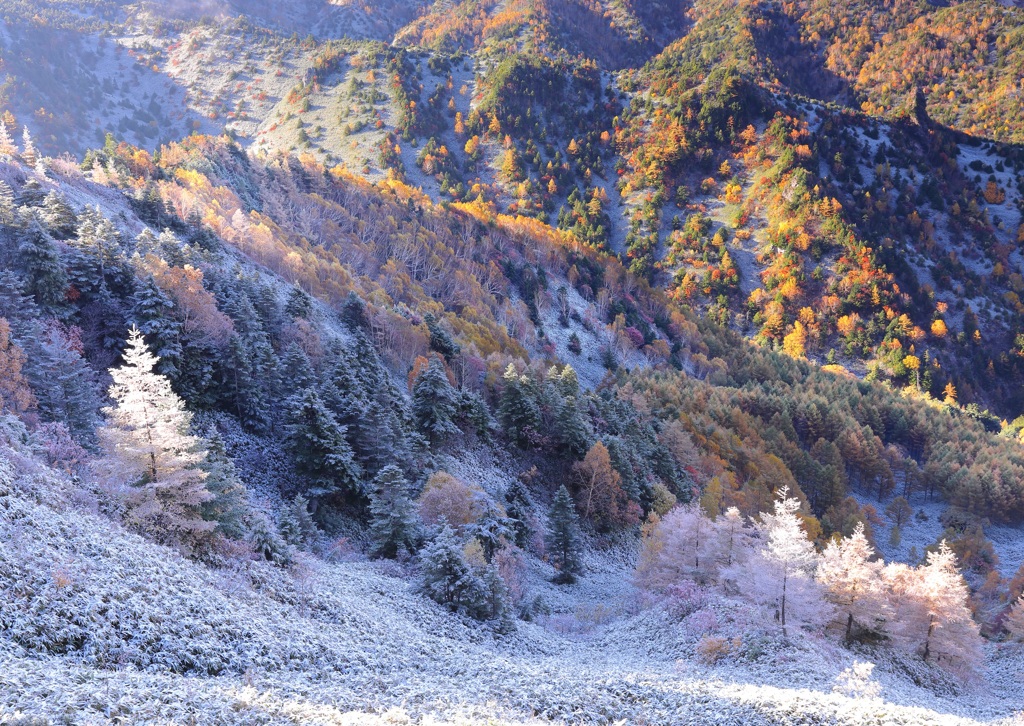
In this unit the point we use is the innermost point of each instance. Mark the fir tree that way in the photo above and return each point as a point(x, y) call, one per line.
point(434, 403)
point(228, 505)
point(394, 522)
point(65, 384)
point(518, 407)
point(491, 529)
point(151, 459)
point(564, 538)
point(266, 542)
point(322, 455)
point(297, 526)
point(44, 273)
point(517, 508)
point(448, 579)
point(299, 305)
point(31, 194)
point(440, 341)
point(297, 372)
point(151, 312)
point(60, 218)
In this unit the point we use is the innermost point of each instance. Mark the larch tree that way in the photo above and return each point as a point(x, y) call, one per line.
point(932, 616)
point(601, 496)
point(782, 572)
point(15, 394)
point(29, 154)
point(853, 582)
point(683, 546)
point(151, 461)
point(1015, 620)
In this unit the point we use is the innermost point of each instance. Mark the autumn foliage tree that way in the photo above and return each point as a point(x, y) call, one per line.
point(600, 496)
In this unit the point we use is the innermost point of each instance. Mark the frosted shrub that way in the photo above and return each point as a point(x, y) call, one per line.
point(685, 598)
point(856, 681)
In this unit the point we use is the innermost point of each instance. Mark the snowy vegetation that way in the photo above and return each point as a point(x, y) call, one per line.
point(553, 363)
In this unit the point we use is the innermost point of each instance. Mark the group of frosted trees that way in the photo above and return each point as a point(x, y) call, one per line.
point(843, 589)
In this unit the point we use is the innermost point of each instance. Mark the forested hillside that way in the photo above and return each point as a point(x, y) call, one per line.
point(670, 353)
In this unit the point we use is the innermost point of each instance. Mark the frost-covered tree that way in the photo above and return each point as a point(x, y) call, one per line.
point(394, 523)
point(435, 403)
point(448, 578)
point(296, 524)
point(58, 215)
point(564, 538)
point(322, 455)
point(734, 538)
point(152, 313)
point(781, 573)
point(7, 206)
point(297, 372)
point(266, 541)
point(228, 505)
point(7, 147)
point(29, 154)
point(299, 305)
point(150, 458)
point(517, 508)
point(65, 382)
point(931, 613)
point(1015, 620)
point(518, 407)
point(44, 274)
point(682, 546)
point(853, 582)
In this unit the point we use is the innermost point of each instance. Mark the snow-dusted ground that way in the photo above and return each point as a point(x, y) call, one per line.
point(100, 626)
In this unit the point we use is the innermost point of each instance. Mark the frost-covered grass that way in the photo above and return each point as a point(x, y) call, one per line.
point(100, 626)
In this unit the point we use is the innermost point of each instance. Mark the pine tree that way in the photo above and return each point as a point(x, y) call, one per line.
point(784, 569)
point(228, 505)
point(266, 541)
point(434, 403)
point(7, 206)
point(31, 194)
point(44, 273)
point(65, 384)
point(853, 582)
point(564, 538)
point(394, 522)
point(322, 455)
point(150, 456)
point(440, 341)
point(297, 372)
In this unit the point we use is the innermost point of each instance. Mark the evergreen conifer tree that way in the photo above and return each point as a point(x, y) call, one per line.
point(434, 403)
point(29, 154)
point(518, 407)
point(58, 215)
point(322, 455)
point(228, 505)
point(394, 521)
point(564, 538)
point(517, 508)
point(151, 313)
point(44, 273)
point(299, 305)
point(297, 526)
point(448, 579)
